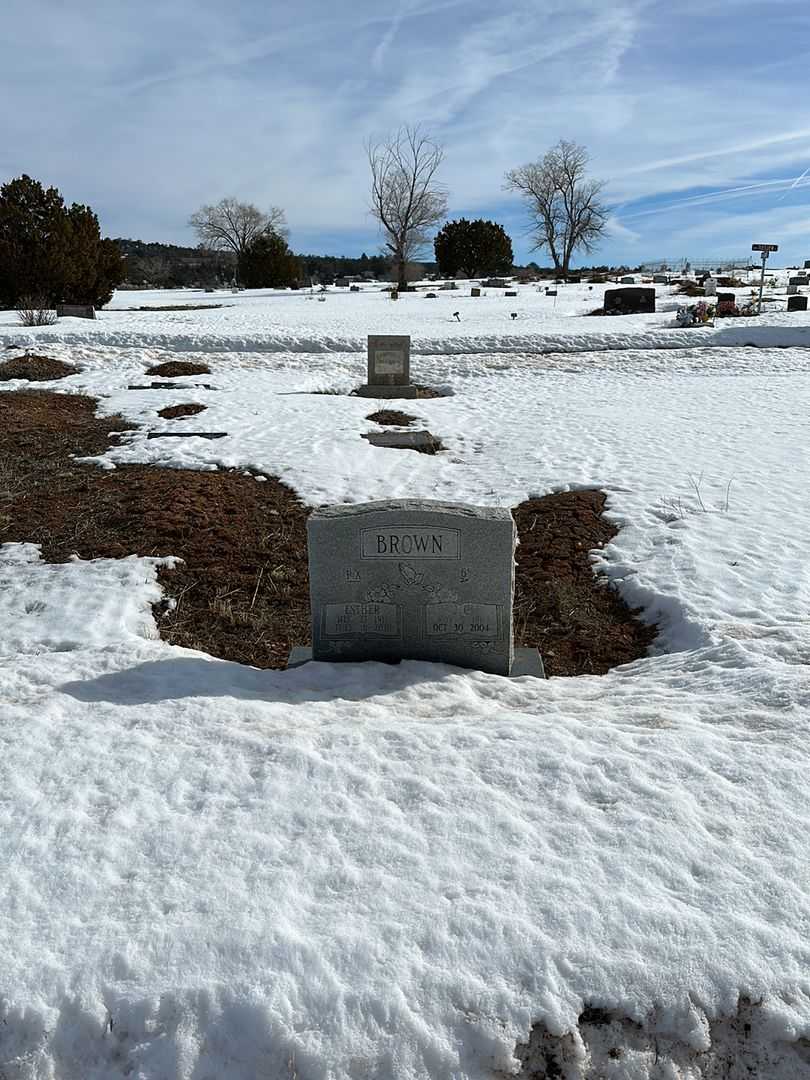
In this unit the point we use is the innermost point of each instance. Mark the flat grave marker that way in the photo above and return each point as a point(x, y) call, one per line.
point(404, 440)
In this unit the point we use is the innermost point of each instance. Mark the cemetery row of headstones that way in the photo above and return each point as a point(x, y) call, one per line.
point(412, 580)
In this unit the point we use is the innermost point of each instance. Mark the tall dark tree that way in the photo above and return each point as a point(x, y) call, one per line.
point(474, 248)
point(50, 251)
point(268, 263)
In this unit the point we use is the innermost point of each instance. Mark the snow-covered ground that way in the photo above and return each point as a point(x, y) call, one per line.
point(285, 321)
point(352, 871)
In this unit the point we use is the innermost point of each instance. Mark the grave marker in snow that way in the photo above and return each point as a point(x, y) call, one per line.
point(389, 367)
point(710, 287)
point(792, 290)
point(414, 580)
point(797, 303)
point(75, 311)
point(634, 301)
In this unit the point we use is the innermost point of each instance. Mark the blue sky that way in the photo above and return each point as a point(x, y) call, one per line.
point(696, 114)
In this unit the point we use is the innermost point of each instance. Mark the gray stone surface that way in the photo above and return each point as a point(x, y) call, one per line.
point(660, 279)
point(389, 359)
point(629, 301)
point(627, 281)
point(792, 290)
point(526, 661)
point(186, 434)
point(710, 287)
point(386, 391)
point(389, 366)
point(172, 386)
point(75, 311)
point(474, 291)
point(402, 440)
point(417, 580)
point(799, 279)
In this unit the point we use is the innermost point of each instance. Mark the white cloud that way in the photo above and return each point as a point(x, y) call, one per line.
point(147, 110)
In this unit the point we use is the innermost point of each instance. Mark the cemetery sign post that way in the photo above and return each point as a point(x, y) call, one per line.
point(766, 249)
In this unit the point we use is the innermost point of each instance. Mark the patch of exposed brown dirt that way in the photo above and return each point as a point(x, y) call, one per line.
point(173, 368)
point(391, 418)
point(578, 621)
point(172, 412)
point(35, 368)
point(242, 592)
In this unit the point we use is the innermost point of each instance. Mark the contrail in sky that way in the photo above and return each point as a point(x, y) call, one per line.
point(795, 183)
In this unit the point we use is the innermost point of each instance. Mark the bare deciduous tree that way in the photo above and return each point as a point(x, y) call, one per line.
point(565, 207)
point(234, 226)
point(406, 198)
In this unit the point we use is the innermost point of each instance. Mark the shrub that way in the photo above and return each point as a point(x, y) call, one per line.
point(34, 311)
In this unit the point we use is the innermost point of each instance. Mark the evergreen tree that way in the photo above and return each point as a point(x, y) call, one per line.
point(268, 263)
point(473, 248)
point(50, 251)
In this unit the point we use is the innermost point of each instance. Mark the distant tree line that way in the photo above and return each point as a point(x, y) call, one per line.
point(55, 253)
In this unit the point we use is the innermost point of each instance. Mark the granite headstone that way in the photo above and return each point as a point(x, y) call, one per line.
point(75, 311)
point(415, 580)
point(629, 301)
point(797, 303)
point(389, 367)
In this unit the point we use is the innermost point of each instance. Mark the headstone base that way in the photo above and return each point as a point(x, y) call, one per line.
point(526, 661)
point(374, 391)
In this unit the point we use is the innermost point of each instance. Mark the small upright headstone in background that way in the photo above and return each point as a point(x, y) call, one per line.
point(510, 292)
point(797, 303)
point(800, 279)
point(76, 311)
point(627, 281)
point(807, 264)
point(389, 367)
point(792, 290)
point(660, 279)
point(710, 287)
point(354, 288)
point(551, 292)
point(415, 580)
point(394, 294)
point(474, 291)
point(494, 283)
point(637, 301)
